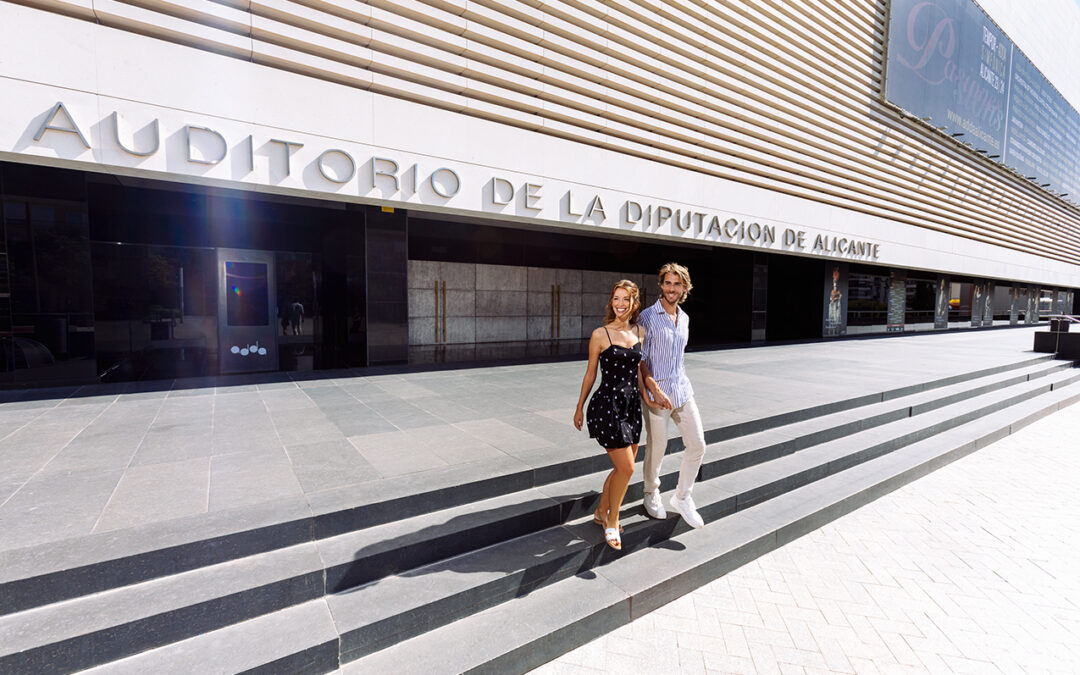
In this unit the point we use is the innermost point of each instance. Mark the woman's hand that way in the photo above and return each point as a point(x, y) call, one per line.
point(579, 418)
point(655, 405)
point(659, 400)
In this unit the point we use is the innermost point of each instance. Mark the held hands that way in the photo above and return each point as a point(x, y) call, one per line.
point(579, 418)
point(658, 400)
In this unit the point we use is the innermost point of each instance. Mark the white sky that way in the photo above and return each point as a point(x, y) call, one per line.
point(1047, 32)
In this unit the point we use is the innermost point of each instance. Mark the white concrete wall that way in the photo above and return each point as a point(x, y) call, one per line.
point(969, 221)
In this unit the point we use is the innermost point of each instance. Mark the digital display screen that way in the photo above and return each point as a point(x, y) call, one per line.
point(247, 295)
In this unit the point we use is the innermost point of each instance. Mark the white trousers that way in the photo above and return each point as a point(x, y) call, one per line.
point(688, 421)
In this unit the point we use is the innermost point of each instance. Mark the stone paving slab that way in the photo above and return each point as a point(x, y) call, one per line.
point(80, 461)
point(970, 569)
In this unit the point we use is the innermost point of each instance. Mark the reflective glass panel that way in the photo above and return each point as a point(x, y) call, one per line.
point(246, 294)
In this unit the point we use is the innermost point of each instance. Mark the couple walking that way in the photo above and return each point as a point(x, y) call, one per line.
point(639, 352)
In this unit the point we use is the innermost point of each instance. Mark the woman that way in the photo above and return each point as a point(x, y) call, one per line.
point(615, 410)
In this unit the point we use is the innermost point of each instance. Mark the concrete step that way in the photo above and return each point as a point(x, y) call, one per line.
point(49, 573)
point(298, 640)
point(397, 603)
point(395, 608)
point(530, 630)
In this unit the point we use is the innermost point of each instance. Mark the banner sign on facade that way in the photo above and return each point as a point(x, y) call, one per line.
point(951, 65)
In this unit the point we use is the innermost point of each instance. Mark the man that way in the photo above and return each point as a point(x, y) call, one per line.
point(296, 317)
point(669, 395)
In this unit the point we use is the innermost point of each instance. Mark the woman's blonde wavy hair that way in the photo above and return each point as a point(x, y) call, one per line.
point(635, 301)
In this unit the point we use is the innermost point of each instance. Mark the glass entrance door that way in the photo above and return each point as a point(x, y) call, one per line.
point(247, 320)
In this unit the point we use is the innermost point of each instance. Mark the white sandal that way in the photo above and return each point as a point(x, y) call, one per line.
point(611, 536)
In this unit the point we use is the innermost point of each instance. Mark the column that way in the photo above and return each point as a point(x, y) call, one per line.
point(759, 297)
point(897, 301)
point(386, 259)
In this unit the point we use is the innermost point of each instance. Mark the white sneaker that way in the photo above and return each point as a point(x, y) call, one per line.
point(653, 506)
point(686, 509)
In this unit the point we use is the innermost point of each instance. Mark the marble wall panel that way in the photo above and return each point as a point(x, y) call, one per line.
point(458, 276)
point(542, 278)
point(570, 280)
point(501, 303)
point(570, 328)
point(421, 330)
point(460, 330)
point(501, 278)
point(539, 304)
point(460, 303)
point(422, 301)
point(540, 328)
point(423, 273)
point(501, 329)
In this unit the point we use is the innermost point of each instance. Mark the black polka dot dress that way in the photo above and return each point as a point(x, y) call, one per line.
point(614, 412)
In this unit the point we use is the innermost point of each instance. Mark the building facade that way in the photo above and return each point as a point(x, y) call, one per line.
point(199, 188)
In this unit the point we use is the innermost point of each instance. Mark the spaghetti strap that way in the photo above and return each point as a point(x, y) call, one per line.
point(610, 343)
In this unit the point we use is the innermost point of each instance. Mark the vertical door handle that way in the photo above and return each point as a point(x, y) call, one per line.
point(436, 311)
point(444, 311)
point(558, 320)
point(553, 310)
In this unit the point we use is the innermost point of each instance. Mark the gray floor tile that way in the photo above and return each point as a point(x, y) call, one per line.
point(362, 424)
point(329, 464)
point(277, 386)
point(502, 435)
point(250, 478)
point(404, 415)
point(95, 452)
point(7, 489)
point(157, 492)
point(30, 448)
point(451, 445)
point(233, 444)
point(305, 426)
point(8, 428)
point(55, 506)
point(545, 425)
point(448, 409)
point(172, 442)
point(395, 459)
point(103, 400)
point(286, 400)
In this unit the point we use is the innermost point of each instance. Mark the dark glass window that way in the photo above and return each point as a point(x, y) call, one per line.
point(919, 305)
point(49, 327)
point(1003, 298)
point(298, 312)
point(868, 299)
point(155, 309)
point(960, 301)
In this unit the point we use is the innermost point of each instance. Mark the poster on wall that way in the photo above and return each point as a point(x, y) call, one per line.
point(836, 300)
point(978, 293)
point(1014, 305)
point(941, 303)
point(988, 305)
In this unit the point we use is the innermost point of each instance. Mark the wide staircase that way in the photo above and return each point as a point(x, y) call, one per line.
point(499, 573)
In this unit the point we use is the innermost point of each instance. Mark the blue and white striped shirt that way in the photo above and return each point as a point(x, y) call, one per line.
point(665, 341)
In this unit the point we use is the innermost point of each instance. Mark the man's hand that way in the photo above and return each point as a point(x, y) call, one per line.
point(658, 399)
